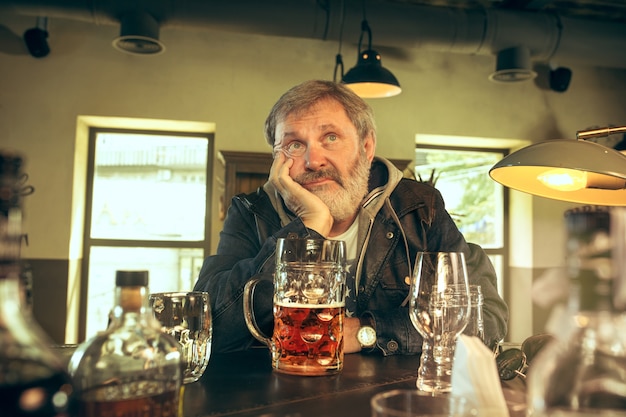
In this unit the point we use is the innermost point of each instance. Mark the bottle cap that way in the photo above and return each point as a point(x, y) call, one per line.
point(131, 278)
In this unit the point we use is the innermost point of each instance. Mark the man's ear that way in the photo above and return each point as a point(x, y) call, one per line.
point(369, 145)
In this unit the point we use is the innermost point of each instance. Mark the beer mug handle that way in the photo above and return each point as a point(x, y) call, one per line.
point(248, 312)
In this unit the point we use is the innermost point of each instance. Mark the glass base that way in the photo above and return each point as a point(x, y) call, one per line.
point(435, 370)
point(433, 385)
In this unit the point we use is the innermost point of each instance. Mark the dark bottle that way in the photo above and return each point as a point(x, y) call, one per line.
point(132, 368)
point(33, 380)
point(583, 372)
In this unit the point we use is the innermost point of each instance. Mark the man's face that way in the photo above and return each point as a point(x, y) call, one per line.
point(330, 159)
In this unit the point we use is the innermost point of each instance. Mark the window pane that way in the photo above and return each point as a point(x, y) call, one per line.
point(472, 198)
point(149, 187)
point(171, 269)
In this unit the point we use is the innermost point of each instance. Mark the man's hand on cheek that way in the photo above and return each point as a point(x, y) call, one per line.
point(306, 205)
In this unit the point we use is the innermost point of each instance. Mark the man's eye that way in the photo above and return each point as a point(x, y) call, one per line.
point(332, 138)
point(295, 148)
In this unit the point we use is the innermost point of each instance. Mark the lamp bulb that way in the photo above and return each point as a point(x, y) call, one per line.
point(564, 179)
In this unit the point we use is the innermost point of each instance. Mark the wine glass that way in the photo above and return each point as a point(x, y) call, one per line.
point(439, 310)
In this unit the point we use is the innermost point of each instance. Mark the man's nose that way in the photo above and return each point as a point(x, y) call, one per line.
point(314, 157)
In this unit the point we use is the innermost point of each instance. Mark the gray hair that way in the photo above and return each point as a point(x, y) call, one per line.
point(302, 97)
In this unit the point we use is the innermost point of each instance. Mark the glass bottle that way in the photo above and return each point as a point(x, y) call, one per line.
point(33, 380)
point(131, 368)
point(583, 372)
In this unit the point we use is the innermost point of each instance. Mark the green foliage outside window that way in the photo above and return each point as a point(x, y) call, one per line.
point(472, 198)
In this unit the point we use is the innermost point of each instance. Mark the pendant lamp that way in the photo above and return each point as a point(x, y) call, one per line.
point(369, 79)
point(577, 171)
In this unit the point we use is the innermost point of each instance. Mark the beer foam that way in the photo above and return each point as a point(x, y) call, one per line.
point(304, 305)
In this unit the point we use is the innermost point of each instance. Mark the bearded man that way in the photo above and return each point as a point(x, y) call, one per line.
point(326, 182)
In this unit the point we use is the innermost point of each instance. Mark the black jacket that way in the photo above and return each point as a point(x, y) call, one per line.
point(398, 218)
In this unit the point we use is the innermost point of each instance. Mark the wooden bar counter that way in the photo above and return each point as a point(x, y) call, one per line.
point(243, 384)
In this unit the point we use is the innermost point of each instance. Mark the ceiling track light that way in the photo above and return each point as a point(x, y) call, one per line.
point(369, 79)
point(36, 38)
point(139, 34)
point(513, 65)
point(578, 171)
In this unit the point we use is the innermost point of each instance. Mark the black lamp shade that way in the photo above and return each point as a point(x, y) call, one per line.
point(370, 79)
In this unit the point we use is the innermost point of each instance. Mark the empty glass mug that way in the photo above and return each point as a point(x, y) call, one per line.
point(309, 307)
point(476, 324)
point(187, 317)
point(414, 403)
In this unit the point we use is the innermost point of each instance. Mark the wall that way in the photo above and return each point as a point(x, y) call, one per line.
point(231, 80)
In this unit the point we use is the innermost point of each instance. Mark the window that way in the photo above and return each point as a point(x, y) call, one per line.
point(476, 202)
point(147, 208)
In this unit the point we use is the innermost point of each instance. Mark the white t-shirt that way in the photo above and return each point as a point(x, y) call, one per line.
point(350, 236)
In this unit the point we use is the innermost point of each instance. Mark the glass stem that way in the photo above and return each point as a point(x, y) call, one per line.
point(435, 370)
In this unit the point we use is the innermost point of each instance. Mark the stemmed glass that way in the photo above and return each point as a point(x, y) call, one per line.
point(439, 310)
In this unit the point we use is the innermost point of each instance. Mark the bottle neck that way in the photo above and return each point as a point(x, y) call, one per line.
point(590, 259)
point(131, 303)
point(11, 294)
point(589, 292)
point(11, 300)
point(10, 241)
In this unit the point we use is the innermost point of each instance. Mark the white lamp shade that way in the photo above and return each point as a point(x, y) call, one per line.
point(602, 170)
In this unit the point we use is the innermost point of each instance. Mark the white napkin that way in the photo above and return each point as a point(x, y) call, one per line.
point(475, 376)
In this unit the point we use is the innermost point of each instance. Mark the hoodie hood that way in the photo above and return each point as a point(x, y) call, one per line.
point(384, 176)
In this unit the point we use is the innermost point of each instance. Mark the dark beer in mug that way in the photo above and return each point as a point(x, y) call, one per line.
point(308, 338)
point(309, 307)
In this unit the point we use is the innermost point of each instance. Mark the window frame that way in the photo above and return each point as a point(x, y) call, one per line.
point(89, 242)
point(503, 281)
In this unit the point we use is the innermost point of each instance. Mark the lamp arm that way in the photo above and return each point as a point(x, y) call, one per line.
point(603, 131)
point(365, 27)
point(338, 67)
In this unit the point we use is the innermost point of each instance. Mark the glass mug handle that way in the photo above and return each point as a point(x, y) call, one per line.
point(248, 313)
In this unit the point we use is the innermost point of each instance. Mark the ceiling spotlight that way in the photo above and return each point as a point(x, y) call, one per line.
point(512, 65)
point(369, 78)
point(139, 34)
point(560, 78)
point(36, 38)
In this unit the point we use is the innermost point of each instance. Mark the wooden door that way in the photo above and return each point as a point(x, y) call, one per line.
point(244, 172)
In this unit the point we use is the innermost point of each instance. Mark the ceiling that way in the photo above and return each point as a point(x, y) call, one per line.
point(563, 32)
point(609, 10)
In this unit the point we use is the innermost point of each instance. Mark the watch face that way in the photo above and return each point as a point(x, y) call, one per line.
point(366, 336)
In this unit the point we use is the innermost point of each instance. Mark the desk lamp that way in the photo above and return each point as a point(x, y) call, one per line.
point(569, 170)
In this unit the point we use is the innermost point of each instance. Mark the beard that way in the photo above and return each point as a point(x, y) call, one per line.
point(346, 201)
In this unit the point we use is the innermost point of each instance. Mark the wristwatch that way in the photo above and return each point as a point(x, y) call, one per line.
point(366, 335)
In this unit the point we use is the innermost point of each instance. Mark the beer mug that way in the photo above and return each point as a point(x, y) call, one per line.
point(187, 317)
point(309, 307)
